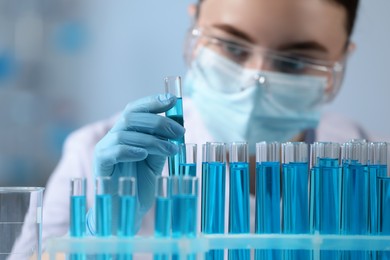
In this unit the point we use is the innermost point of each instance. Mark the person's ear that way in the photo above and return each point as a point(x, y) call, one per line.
point(192, 11)
point(351, 48)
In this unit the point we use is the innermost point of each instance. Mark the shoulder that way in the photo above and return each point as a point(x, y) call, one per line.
point(339, 128)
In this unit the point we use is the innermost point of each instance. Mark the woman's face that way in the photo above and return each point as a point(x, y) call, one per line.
point(312, 28)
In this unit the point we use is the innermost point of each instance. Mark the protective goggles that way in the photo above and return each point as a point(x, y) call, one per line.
point(256, 57)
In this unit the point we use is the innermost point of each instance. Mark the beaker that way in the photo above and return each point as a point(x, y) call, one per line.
point(20, 222)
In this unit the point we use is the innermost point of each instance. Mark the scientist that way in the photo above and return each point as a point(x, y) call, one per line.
point(257, 70)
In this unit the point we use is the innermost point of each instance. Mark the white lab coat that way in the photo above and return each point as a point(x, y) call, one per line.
point(77, 159)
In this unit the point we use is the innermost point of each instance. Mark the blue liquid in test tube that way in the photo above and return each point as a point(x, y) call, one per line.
point(377, 167)
point(163, 213)
point(184, 208)
point(355, 195)
point(383, 212)
point(77, 212)
point(187, 159)
point(103, 208)
point(295, 194)
point(173, 86)
point(127, 210)
point(239, 195)
point(268, 195)
point(213, 193)
point(325, 192)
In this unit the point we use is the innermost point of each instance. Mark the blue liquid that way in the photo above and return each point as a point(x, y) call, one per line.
point(127, 211)
point(325, 201)
point(187, 169)
point(176, 114)
point(383, 211)
point(162, 221)
point(295, 178)
point(354, 211)
point(203, 196)
point(374, 171)
point(162, 218)
point(77, 221)
point(184, 218)
point(239, 205)
point(213, 193)
point(103, 215)
point(77, 216)
point(184, 215)
point(268, 198)
point(103, 205)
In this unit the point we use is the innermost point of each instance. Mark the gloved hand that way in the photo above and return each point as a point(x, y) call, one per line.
point(137, 145)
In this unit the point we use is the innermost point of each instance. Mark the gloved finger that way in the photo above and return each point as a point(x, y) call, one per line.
point(152, 124)
point(152, 144)
point(152, 104)
point(107, 158)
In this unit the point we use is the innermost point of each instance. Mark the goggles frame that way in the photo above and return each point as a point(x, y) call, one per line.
point(333, 71)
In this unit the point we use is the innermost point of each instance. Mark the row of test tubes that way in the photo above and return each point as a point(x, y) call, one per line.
point(324, 188)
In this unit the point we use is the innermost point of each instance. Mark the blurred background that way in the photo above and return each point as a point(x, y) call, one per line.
point(66, 63)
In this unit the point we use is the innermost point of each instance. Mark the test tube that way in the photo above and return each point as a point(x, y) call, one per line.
point(103, 208)
point(355, 194)
point(239, 194)
point(268, 194)
point(383, 211)
point(213, 192)
point(163, 212)
point(325, 191)
point(173, 86)
point(187, 159)
point(77, 212)
point(295, 193)
point(377, 166)
point(184, 208)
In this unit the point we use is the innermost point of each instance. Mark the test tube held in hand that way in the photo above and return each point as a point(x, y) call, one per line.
point(173, 86)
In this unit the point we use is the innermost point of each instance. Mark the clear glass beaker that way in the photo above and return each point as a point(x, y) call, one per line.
point(20, 222)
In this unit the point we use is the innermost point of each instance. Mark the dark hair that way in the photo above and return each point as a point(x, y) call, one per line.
point(351, 6)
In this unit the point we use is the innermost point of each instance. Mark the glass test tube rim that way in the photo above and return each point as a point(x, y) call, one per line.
point(329, 150)
point(238, 151)
point(296, 152)
point(215, 152)
point(272, 151)
point(166, 185)
point(182, 188)
point(177, 85)
point(101, 184)
point(377, 153)
point(354, 151)
point(188, 147)
point(78, 186)
point(133, 186)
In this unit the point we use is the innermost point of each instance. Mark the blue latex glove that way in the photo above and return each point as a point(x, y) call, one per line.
point(137, 145)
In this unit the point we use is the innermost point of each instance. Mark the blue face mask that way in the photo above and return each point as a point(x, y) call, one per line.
point(239, 104)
